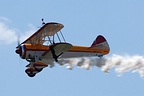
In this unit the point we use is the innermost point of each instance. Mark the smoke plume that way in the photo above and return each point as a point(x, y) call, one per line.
point(121, 64)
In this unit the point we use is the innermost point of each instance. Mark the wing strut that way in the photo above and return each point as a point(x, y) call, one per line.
point(48, 37)
point(62, 36)
point(58, 37)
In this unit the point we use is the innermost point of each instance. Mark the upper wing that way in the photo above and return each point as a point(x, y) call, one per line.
point(49, 29)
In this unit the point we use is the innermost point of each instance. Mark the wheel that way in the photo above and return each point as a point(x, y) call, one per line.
point(38, 69)
point(100, 56)
point(30, 72)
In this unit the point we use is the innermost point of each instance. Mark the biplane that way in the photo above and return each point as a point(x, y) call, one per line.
point(48, 44)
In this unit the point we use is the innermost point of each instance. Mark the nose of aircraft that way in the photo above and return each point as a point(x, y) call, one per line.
point(18, 50)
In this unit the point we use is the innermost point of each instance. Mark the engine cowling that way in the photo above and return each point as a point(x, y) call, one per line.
point(21, 50)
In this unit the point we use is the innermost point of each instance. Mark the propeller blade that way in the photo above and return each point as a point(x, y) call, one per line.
point(18, 40)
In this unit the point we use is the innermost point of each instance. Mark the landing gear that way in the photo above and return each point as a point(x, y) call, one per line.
point(31, 72)
point(35, 67)
point(38, 69)
point(100, 56)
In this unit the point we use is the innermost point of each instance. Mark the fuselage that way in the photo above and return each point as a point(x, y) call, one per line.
point(27, 50)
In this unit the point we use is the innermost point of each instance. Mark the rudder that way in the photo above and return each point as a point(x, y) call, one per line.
point(100, 43)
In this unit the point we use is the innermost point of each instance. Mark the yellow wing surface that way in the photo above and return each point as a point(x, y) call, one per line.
point(49, 29)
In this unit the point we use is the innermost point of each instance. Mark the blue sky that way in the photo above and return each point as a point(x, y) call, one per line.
point(120, 21)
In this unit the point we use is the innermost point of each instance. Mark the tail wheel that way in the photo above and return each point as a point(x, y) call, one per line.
point(100, 56)
point(30, 72)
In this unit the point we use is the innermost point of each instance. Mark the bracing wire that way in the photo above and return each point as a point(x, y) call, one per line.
point(62, 36)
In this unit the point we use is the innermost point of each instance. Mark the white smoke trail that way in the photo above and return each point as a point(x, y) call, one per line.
point(120, 63)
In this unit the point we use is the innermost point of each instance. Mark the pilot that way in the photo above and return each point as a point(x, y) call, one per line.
point(43, 23)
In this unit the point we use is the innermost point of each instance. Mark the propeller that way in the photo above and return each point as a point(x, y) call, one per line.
point(18, 40)
point(18, 48)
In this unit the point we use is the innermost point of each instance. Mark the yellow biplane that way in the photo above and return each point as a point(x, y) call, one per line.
point(48, 45)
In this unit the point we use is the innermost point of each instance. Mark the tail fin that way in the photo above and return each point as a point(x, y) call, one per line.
point(100, 43)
